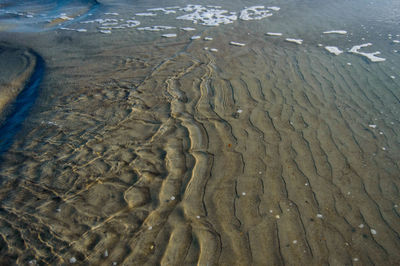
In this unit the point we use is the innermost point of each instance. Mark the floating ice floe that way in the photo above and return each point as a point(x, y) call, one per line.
point(156, 28)
point(207, 16)
point(371, 56)
point(169, 35)
point(146, 14)
point(254, 13)
point(162, 10)
point(297, 41)
point(196, 37)
point(333, 50)
point(274, 33)
point(237, 44)
point(188, 29)
point(335, 32)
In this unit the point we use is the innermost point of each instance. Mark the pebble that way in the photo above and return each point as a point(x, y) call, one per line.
point(294, 241)
point(392, 77)
point(214, 50)
point(270, 211)
point(150, 227)
point(349, 64)
point(239, 111)
point(373, 231)
point(372, 126)
point(244, 193)
point(277, 216)
point(198, 217)
point(114, 263)
point(320, 216)
point(172, 198)
point(106, 253)
point(361, 226)
point(208, 39)
point(355, 259)
point(72, 260)
point(383, 148)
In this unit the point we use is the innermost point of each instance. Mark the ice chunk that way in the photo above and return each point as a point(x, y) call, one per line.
point(298, 41)
point(169, 35)
point(335, 32)
point(237, 43)
point(333, 50)
point(371, 56)
point(274, 33)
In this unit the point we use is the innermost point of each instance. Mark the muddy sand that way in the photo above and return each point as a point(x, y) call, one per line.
point(163, 152)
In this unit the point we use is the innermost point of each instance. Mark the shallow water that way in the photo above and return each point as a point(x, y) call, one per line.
point(146, 150)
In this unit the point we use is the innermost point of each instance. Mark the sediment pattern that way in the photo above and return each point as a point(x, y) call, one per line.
point(262, 157)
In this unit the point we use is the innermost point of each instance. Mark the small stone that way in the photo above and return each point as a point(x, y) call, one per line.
point(270, 211)
point(372, 126)
point(306, 184)
point(361, 226)
point(58, 210)
point(320, 216)
point(150, 227)
point(172, 198)
point(277, 216)
point(72, 260)
point(373, 231)
point(396, 206)
point(381, 133)
point(114, 263)
point(198, 217)
point(239, 111)
point(106, 253)
point(294, 241)
point(244, 193)
point(349, 64)
point(383, 148)
point(392, 77)
point(260, 172)
point(355, 259)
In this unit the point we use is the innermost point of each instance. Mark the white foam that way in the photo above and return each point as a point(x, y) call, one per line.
point(169, 35)
point(237, 44)
point(274, 33)
point(146, 14)
point(196, 37)
point(298, 41)
point(207, 16)
point(254, 13)
point(335, 32)
point(156, 28)
point(188, 29)
point(371, 56)
point(333, 50)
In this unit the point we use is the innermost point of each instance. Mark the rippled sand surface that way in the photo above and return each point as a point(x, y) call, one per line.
point(143, 150)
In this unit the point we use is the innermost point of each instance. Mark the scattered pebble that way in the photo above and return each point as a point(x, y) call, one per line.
point(396, 206)
point(335, 32)
point(380, 133)
point(58, 210)
point(72, 260)
point(271, 211)
point(106, 31)
point(205, 48)
point(114, 263)
point(373, 231)
point(306, 184)
point(260, 172)
point(274, 33)
point(320, 216)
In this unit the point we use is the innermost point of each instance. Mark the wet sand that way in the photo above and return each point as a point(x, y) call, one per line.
point(165, 153)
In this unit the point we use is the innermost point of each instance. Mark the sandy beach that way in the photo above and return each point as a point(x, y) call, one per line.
point(147, 150)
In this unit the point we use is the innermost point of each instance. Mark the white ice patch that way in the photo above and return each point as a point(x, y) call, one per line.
point(169, 35)
point(298, 41)
point(333, 50)
point(188, 29)
point(207, 16)
point(274, 8)
point(237, 44)
point(146, 14)
point(156, 28)
point(162, 10)
point(274, 33)
point(254, 13)
point(335, 32)
point(371, 56)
